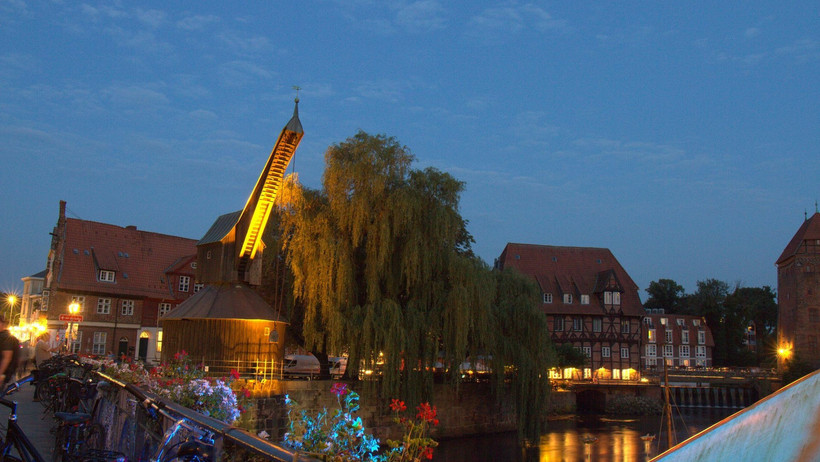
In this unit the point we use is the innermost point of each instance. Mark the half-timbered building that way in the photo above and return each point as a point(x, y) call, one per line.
point(590, 302)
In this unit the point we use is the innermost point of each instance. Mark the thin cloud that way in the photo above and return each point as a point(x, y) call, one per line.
point(135, 96)
point(151, 18)
point(197, 22)
point(422, 16)
point(240, 73)
point(496, 23)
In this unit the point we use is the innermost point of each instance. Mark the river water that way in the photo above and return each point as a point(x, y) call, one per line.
point(618, 439)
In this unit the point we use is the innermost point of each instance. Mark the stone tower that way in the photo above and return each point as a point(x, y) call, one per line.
point(798, 295)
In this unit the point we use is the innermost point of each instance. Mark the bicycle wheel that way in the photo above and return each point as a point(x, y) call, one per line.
point(60, 440)
point(95, 437)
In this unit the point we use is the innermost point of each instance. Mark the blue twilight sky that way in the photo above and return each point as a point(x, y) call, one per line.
point(683, 136)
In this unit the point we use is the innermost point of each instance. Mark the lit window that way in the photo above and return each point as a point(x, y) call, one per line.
point(664, 321)
point(159, 341)
point(650, 334)
point(106, 276)
point(616, 374)
point(184, 283)
point(98, 347)
point(584, 299)
point(103, 305)
point(127, 307)
point(605, 352)
point(547, 298)
point(567, 298)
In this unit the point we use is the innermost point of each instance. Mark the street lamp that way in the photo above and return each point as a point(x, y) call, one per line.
point(11, 301)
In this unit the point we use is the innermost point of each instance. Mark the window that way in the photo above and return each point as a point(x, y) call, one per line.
point(193, 264)
point(597, 324)
point(680, 322)
point(184, 282)
point(700, 351)
point(159, 341)
point(616, 298)
point(607, 298)
point(650, 335)
point(696, 322)
point(587, 351)
point(567, 298)
point(684, 336)
point(577, 324)
point(587, 373)
point(616, 374)
point(198, 286)
point(605, 352)
point(652, 350)
point(584, 299)
point(647, 321)
point(103, 305)
point(624, 352)
point(558, 324)
point(547, 298)
point(98, 347)
point(76, 339)
point(683, 351)
point(106, 276)
point(164, 308)
point(80, 300)
point(127, 307)
point(701, 337)
point(668, 351)
point(651, 362)
point(668, 336)
point(624, 327)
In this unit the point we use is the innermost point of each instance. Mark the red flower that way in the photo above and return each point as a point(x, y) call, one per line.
point(246, 393)
point(427, 453)
point(427, 413)
point(234, 374)
point(339, 389)
point(397, 405)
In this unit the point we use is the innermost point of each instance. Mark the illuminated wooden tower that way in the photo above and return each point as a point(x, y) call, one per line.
point(227, 319)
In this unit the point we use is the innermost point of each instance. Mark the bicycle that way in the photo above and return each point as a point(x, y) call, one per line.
point(79, 439)
point(15, 446)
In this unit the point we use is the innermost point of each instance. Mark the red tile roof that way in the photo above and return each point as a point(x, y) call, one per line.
point(810, 230)
point(140, 259)
point(574, 270)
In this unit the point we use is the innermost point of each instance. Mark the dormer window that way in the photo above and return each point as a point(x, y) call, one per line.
point(547, 298)
point(106, 276)
point(184, 283)
point(584, 299)
point(612, 298)
point(567, 298)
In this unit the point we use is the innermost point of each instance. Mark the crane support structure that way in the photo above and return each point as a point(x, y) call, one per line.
point(257, 211)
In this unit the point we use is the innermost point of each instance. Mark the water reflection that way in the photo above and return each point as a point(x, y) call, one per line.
point(581, 438)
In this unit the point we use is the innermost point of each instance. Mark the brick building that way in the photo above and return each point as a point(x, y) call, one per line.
point(122, 279)
point(683, 341)
point(590, 302)
point(798, 294)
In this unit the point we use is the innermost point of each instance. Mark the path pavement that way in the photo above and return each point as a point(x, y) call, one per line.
point(30, 418)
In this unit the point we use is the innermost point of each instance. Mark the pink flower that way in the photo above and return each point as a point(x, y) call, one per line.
point(339, 389)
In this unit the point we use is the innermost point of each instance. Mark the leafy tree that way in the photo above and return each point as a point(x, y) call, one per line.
point(709, 302)
point(381, 264)
point(666, 294)
point(569, 356)
point(754, 306)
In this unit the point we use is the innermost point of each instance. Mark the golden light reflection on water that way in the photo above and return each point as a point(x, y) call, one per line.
point(621, 444)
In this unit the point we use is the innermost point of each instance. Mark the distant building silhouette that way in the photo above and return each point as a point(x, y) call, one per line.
point(798, 294)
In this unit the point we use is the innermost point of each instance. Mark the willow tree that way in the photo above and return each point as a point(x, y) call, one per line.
point(382, 268)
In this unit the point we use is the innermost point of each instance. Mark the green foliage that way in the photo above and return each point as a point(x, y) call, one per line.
point(381, 263)
point(796, 368)
point(569, 356)
point(666, 294)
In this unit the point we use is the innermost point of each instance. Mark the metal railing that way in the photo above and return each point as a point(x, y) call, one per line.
point(136, 429)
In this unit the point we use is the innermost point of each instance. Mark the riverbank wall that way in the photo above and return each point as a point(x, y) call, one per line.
point(472, 410)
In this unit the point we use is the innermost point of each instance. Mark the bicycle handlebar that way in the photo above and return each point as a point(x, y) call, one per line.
point(14, 386)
